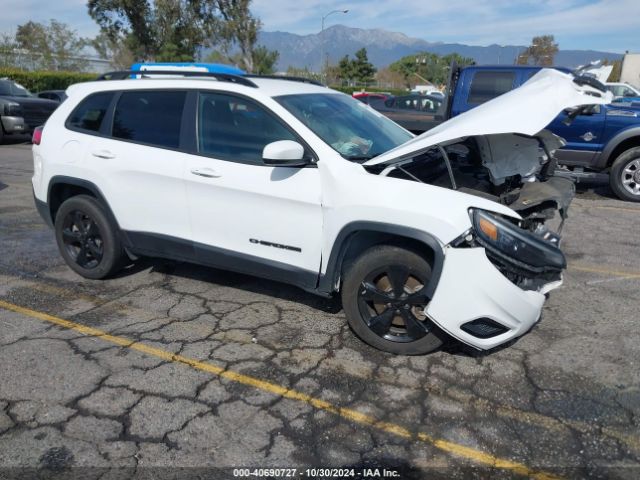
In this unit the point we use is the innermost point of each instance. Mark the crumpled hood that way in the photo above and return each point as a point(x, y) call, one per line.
point(526, 110)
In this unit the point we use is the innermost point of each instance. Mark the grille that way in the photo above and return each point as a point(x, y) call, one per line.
point(483, 328)
point(35, 115)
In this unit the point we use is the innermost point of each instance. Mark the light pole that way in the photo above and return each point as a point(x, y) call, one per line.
point(322, 38)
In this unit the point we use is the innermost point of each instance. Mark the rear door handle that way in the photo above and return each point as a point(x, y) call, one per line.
point(206, 172)
point(106, 154)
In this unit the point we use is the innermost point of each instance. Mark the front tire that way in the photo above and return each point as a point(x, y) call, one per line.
point(624, 177)
point(384, 295)
point(87, 240)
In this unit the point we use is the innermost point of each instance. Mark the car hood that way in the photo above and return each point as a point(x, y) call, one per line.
point(525, 110)
point(43, 102)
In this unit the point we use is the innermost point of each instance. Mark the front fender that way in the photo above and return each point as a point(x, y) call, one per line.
point(604, 160)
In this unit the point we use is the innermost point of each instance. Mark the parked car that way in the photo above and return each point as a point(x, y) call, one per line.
point(416, 113)
point(621, 90)
point(298, 183)
point(602, 142)
point(55, 95)
point(427, 90)
point(20, 111)
point(371, 98)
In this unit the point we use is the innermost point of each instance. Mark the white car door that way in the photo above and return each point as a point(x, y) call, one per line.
point(139, 169)
point(246, 216)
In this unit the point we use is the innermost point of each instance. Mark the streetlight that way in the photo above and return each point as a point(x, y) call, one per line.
point(322, 37)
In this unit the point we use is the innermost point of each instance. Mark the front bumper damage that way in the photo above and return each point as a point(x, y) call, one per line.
point(482, 293)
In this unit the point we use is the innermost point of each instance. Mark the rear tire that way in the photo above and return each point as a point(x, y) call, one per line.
point(87, 240)
point(624, 177)
point(384, 295)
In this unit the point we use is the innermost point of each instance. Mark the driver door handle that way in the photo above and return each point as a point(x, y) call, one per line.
point(205, 172)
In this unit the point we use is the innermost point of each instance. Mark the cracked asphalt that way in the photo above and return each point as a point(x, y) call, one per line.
point(233, 371)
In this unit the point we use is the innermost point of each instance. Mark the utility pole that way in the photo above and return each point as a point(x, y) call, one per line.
point(322, 59)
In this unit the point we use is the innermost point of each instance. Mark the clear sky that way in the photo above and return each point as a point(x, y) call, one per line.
point(611, 25)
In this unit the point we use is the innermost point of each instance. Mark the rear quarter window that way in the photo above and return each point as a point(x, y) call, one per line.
point(152, 117)
point(90, 112)
point(488, 85)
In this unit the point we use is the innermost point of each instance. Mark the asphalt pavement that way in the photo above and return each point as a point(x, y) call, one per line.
point(179, 371)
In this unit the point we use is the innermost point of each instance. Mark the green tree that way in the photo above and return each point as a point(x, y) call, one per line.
point(170, 29)
point(427, 67)
point(53, 46)
point(8, 46)
point(345, 67)
point(238, 29)
point(176, 30)
point(363, 70)
point(542, 51)
point(114, 50)
point(216, 56)
point(264, 60)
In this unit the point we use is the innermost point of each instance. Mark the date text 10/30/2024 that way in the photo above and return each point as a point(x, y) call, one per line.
point(315, 473)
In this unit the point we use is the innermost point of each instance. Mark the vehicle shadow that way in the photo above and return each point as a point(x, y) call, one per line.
point(281, 291)
point(16, 140)
point(594, 190)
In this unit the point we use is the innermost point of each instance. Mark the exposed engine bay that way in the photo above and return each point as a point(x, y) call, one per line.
point(512, 169)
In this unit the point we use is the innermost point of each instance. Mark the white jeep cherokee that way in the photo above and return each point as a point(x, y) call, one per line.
point(444, 233)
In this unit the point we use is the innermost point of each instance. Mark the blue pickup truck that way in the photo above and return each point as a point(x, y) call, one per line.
point(601, 140)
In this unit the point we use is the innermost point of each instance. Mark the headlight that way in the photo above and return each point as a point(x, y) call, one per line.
point(508, 240)
point(12, 109)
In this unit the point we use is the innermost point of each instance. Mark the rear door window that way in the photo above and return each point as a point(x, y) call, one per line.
point(488, 85)
point(88, 115)
point(152, 117)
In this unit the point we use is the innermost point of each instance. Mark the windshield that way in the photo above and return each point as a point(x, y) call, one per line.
point(12, 89)
point(353, 129)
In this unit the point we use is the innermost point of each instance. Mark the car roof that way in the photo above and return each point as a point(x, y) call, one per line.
point(263, 86)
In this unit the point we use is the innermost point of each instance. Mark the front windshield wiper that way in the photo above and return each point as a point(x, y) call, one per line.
point(361, 158)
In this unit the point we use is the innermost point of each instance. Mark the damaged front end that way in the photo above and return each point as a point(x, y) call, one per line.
point(511, 169)
point(528, 259)
point(516, 171)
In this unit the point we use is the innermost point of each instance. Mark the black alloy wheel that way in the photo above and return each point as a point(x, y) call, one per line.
point(82, 239)
point(87, 239)
point(384, 295)
point(392, 300)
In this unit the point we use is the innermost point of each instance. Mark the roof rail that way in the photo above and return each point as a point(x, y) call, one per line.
point(222, 77)
point(286, 77)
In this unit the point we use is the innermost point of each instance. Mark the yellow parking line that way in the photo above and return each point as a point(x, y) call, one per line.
point(456, 449)
point(604, 271)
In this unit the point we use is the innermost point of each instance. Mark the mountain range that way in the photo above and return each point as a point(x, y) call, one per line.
point(385, 47)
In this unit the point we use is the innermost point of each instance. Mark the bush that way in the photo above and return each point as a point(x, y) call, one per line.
point(38, 81)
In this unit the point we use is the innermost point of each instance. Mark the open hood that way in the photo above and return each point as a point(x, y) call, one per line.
point(525, 110)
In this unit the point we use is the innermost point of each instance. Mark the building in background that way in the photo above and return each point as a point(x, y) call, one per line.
point(631, 69)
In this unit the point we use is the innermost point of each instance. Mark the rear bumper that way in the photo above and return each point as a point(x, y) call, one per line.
point(43, 209)
point(14, 125)
point(472, 288)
